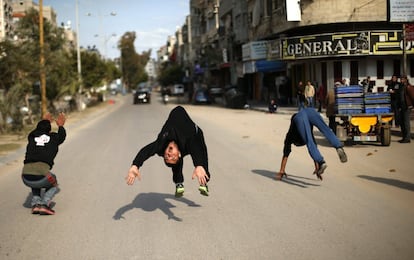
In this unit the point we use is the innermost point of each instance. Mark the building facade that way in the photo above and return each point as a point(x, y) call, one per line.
point(266, 47)
point(6, 19)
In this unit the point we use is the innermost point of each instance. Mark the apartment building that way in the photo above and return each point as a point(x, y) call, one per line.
point(255, 43)
point(21, 6)
point(6, 19)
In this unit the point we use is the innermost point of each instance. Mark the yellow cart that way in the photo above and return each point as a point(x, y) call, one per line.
point(364, 128)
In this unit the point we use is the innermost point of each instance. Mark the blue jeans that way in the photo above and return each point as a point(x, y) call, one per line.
point(37, 183)
point(310, 101)
point(304, 120)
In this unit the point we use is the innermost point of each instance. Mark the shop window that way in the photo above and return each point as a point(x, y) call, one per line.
point(337, 71)
point(324, 74)
point(380, 69)
point(397, 67)
point(354, 73)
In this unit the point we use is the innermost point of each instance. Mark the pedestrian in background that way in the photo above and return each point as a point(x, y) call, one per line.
point(406, 100)
point(309, 94)
point(272, 106)
point(300, 95)
point(41, 151)
point(300, 133)
point(394, 89)
point(330, 107)
point(321, 97)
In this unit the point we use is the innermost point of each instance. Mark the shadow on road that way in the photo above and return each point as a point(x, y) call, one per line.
point(392, 182)
point(153, 201)
point(291, 179)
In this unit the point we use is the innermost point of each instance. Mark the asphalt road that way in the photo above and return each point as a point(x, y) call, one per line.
point(363, 209)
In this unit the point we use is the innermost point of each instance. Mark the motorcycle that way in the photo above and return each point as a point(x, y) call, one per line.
point(165, 98)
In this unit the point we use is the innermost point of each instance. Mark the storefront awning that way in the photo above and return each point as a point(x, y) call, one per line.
point(270, 66)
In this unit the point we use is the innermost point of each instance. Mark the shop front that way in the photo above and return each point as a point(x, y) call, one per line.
point(259, 72)
point(353, 56)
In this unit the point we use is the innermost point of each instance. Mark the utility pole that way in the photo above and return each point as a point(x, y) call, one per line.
point(78, 48)
point(42, 60)
point(404, 42)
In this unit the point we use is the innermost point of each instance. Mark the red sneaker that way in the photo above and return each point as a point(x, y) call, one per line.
point(36, 209)
point(45, 210)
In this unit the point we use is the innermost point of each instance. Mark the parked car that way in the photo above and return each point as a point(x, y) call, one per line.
point(142, 95)
point(216, 91)
point(234, 98)
point(177, 90)
point(201, 96)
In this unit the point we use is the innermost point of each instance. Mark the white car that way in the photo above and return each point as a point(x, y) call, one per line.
point(177, 90)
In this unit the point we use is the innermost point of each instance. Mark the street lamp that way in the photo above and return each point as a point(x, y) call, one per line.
point(104, 40)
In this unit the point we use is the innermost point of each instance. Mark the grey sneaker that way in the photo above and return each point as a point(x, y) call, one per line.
point(342, 154)
point(203, 190)
point(322, 168)
point(179, 190)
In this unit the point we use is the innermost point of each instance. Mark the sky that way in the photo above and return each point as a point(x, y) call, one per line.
point(152, 21)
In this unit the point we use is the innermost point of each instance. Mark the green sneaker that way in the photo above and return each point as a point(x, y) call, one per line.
point(203, 190)
point(179, 190)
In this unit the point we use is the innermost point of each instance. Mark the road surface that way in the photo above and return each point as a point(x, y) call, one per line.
point(363, 209)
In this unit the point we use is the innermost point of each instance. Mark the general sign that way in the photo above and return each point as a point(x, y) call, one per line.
point(344, 44)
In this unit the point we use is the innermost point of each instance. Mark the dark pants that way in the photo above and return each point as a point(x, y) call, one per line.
point(177, 169)
point(332, 123)
point(394, 108)
point(405, 123)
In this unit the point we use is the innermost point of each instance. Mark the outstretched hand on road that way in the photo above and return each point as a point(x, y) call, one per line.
point(201, 175)
point(132, 174)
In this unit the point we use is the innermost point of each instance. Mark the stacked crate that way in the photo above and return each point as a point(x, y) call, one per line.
point(377, 103)
point(349, 99)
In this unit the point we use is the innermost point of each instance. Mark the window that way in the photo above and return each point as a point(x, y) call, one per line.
point(354, 73)
point(269, 7)
point(324, 74)
point(380, 69)
point(337, 71)
point(277, 4)
point(397, 67)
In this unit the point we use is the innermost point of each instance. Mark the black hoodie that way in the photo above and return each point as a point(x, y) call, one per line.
point(179, 128)
point(43, 144)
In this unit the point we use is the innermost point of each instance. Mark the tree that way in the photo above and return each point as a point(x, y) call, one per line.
point(19, 67)
point(57, 63)
point(133, 64)
point(171, 74)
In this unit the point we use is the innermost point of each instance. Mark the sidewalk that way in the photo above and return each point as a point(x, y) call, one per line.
point(290, 110)
point(263, 107)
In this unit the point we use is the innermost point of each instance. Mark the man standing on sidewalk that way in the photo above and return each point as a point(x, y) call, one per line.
point(300, 133)
point(406, 104)
point(309, 93)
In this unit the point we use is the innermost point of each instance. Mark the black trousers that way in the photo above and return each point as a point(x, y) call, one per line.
point(177, 169)
point(405, 123)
